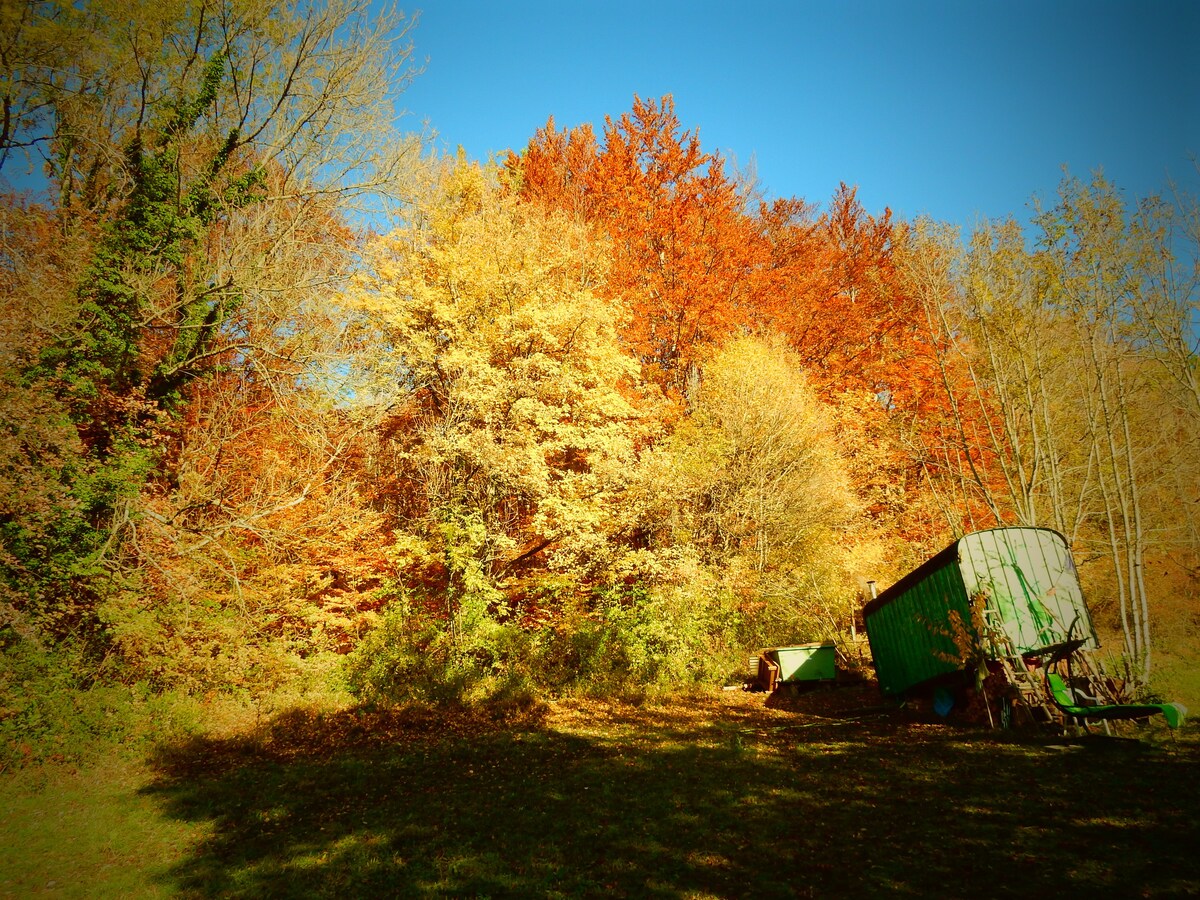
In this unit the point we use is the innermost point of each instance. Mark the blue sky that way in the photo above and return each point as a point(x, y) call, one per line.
point(958, 110)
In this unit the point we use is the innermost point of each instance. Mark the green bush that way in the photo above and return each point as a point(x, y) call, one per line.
point(673, 635)
point(56, 707)
point(412, 656)
point(52, 709)
point(628, 640)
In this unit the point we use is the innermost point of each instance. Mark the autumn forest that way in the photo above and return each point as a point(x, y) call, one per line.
point(290, 399)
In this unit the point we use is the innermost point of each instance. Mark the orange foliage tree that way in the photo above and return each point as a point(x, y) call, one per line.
point(684, 252)
point(698, 261)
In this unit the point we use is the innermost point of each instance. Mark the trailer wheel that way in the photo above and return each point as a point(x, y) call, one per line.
point(1006, 713)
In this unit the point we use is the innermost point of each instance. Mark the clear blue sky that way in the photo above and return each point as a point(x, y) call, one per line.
point(957, 110)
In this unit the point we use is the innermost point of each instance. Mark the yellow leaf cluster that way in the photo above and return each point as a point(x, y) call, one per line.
point(513, 396)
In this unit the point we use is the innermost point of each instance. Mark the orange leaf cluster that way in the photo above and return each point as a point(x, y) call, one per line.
point(698, 258)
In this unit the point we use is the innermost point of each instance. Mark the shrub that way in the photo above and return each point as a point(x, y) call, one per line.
point(412, 656)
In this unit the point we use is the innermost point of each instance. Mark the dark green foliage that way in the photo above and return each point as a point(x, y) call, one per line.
point(155, 239)
point(410, 655)
point(47, 710)
point(50, 540)
point(149, 320)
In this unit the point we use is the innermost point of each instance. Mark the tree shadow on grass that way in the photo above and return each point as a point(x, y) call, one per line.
point(668, 803)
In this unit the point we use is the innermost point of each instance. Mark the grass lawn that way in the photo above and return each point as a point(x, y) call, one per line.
point(720, 795)
point(84, 832)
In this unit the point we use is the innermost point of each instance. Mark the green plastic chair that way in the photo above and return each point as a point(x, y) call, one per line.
point(1064, 699)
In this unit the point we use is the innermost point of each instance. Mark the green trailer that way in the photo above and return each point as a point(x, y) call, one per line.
point(1027, 603)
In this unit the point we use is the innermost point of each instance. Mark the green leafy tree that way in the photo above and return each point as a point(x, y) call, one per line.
point(186, 147)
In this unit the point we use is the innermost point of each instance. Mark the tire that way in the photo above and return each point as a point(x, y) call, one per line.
point(1006, 713)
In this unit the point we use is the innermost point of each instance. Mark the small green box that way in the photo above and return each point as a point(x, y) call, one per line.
point(804, 662)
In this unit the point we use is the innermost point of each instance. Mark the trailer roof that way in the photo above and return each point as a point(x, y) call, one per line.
point(944, 557)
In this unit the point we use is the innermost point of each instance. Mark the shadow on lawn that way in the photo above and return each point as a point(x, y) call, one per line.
point(662, 803)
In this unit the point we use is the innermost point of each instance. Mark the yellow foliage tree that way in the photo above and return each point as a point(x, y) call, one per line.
point(767, 491)
point(511, 419)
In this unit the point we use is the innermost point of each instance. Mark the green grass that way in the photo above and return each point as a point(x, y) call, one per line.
point(88, 832)
point(710, 796)
point(1177, 676)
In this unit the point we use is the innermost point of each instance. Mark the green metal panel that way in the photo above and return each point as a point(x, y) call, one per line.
point(911, 641)
point(1028, 578)
point(805, 662)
